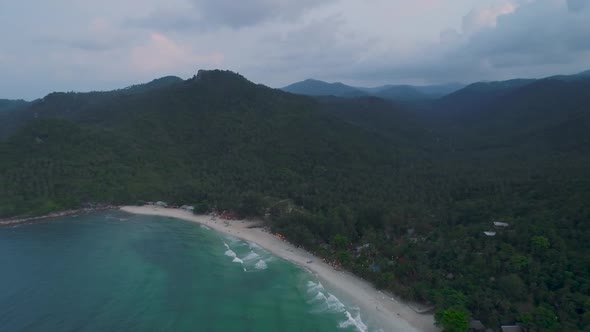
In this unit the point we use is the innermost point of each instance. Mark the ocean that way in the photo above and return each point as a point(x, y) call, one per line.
point(112, 271)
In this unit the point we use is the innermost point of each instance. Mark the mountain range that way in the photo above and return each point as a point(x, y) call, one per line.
point(10, 105)
point(313, 87)
point(419, 183)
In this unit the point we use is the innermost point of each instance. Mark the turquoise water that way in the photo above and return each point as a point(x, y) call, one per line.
point(117, 272)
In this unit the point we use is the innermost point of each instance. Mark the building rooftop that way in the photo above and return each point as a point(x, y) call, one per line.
point(476, 325)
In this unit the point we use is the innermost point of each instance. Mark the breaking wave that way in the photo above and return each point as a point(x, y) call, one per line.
point(251, 256)
point(312, 287)
point(261, 265)
point(322, 301)
point(334, 304)
point(355, 322)
point(234, 241)
point(110, 217)
point(253, 245)
point(255, 259)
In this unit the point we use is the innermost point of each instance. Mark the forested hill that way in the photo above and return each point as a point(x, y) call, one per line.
point(400, 93)
point(545, 114)
point(399, 197)
point(216, 136)
point(9, 105)
point(312, 87)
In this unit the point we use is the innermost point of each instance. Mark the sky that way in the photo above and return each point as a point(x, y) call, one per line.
point(83, 45)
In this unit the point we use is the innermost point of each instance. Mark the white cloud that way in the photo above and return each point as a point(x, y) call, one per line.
point(487, 17)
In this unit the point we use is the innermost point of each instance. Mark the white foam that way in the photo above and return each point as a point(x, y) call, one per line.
point(320, 297)
point(253, 245)
point(312, 287)
point(251, 256)
point(324, 301)
point(334, 304)
point(205, 227)
point(261, 265)
point(357, 322)
point(231, 253)
point(108, 217)
point(234, 241)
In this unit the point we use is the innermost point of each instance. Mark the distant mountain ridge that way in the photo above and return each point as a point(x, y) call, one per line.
point(479, 96)
point(154, 84)
point(450, 91)
point(312, 87)
point(9, 105)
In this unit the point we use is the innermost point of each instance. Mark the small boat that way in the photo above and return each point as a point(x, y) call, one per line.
point(309, 262)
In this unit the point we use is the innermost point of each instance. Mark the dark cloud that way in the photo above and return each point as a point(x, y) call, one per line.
point(251, 12)
point(81, 44)
point(538, 39)
point(169, 20)
point(577, 5)
point(95, 36)
point(212, 14)
point(539, 32)
point(88, 43)
point(321, 47)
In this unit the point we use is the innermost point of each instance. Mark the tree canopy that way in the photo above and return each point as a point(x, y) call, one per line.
point(401, 197)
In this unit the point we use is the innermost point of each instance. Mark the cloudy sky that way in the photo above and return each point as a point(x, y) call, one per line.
point(81, 45)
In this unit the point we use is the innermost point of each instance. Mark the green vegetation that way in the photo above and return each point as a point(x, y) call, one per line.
point(453, 320)
point(400, 198)
point(10, 105)
point(398, 93)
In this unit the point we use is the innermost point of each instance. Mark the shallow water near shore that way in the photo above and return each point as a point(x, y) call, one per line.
point(112, 271)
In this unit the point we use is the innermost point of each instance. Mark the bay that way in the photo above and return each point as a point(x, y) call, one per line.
point(113, 271)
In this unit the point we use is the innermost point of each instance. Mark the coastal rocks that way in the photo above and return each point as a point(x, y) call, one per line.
point(64, 213)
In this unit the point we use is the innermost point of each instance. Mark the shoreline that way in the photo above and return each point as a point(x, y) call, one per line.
point(65, 213)
point(377, 307)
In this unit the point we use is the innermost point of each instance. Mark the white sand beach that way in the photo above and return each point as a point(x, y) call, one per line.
point(376, 308)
